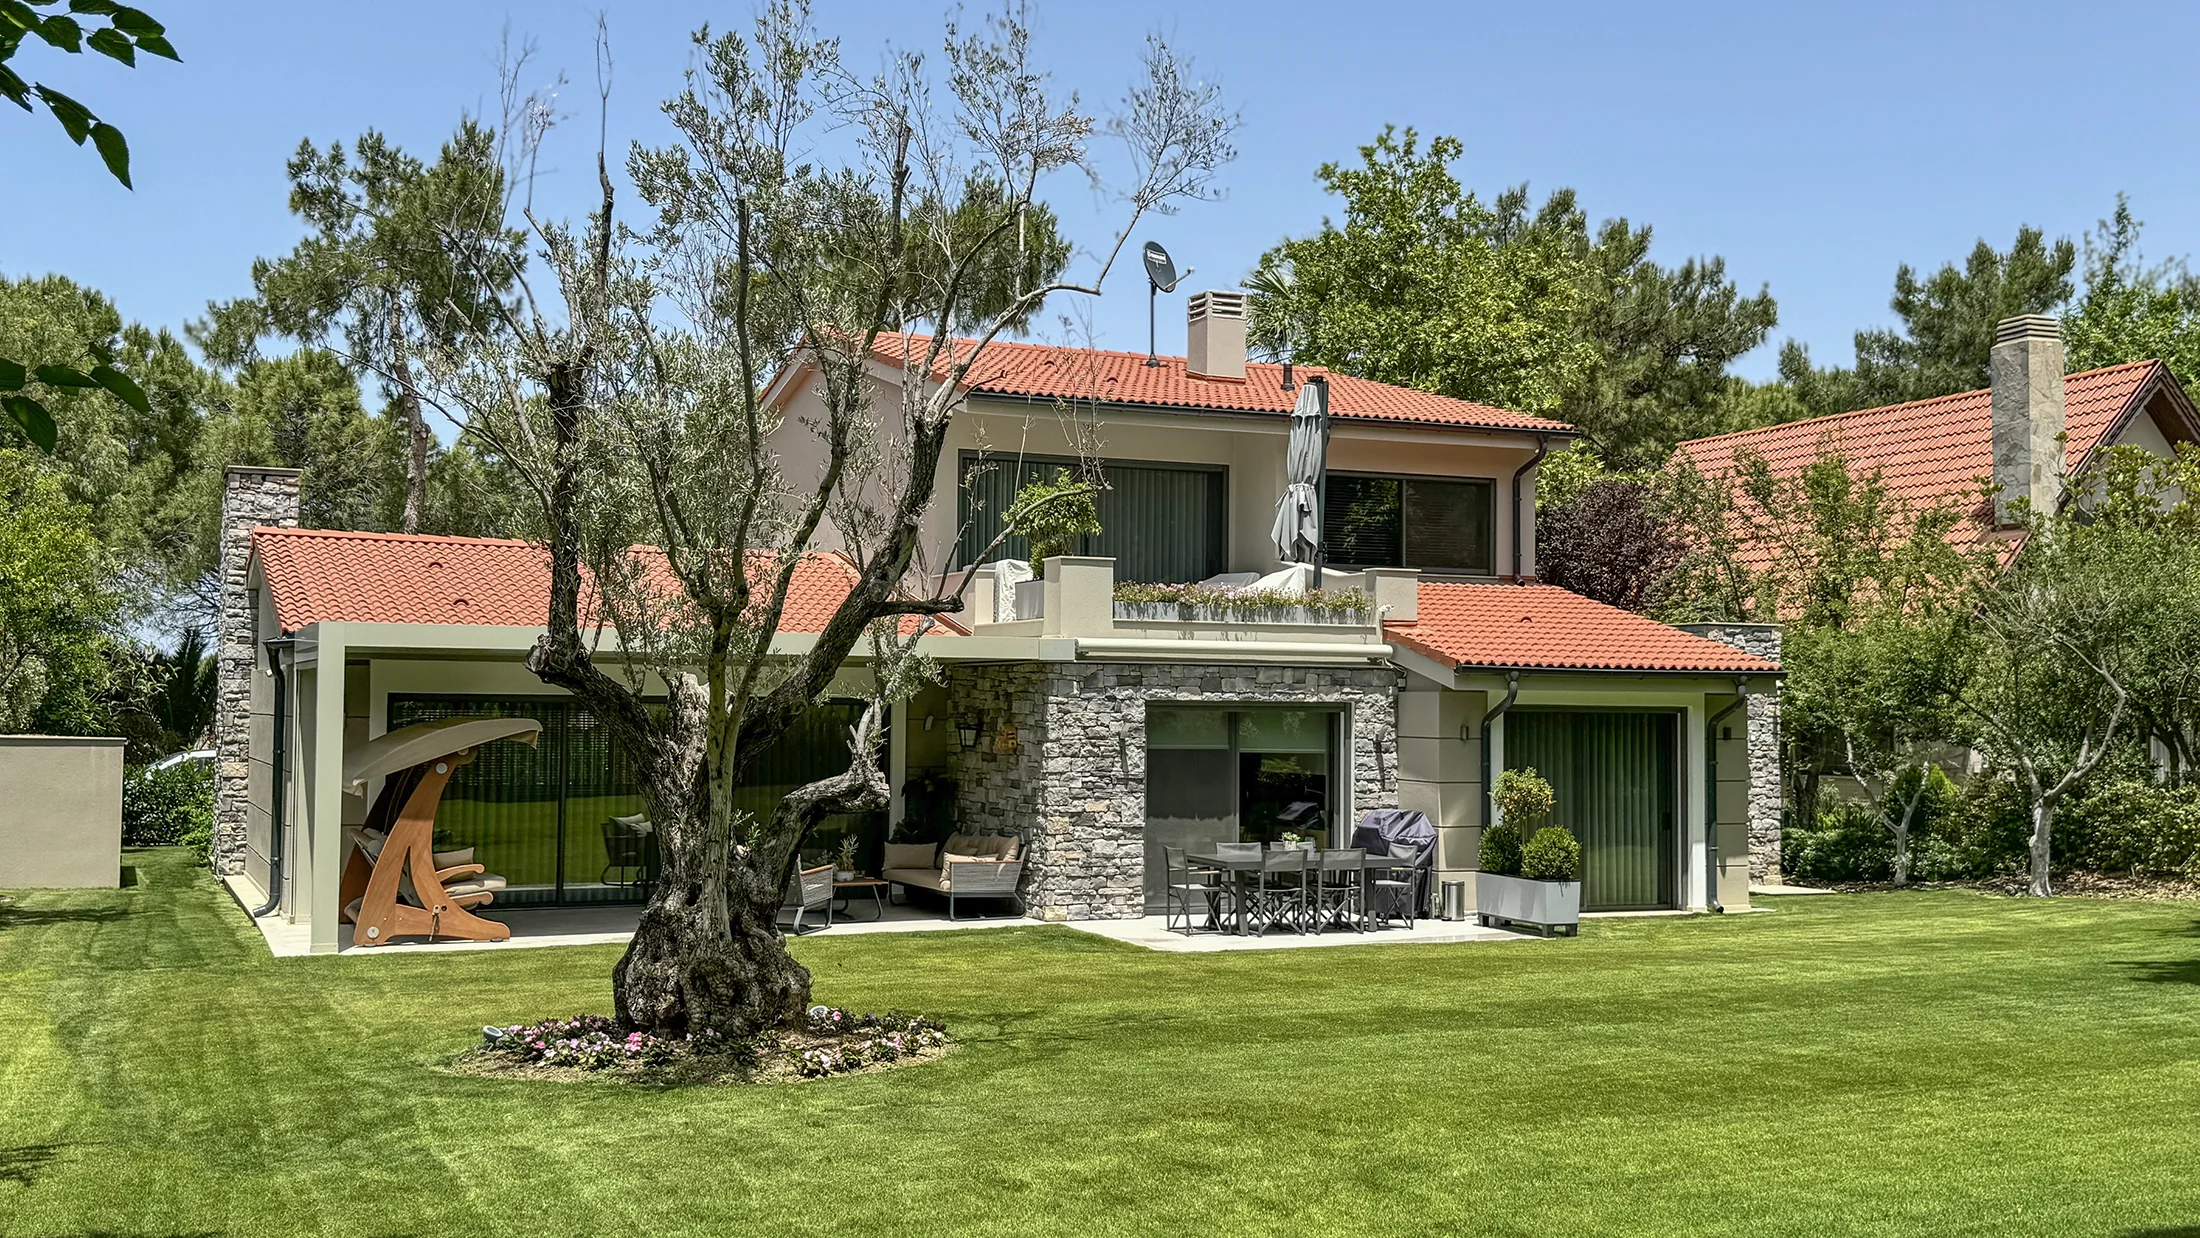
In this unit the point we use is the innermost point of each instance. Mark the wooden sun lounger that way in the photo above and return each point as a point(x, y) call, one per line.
point(409, 852)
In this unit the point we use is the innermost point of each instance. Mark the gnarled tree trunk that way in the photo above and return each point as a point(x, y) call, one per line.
point(708, 956)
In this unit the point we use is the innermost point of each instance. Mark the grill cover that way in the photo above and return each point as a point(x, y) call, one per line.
point(1399, 832)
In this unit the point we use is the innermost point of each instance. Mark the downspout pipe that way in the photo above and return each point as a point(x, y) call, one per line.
point(1489, 792)
point(275, 650)
point(1542, 449)
point(1711, 795)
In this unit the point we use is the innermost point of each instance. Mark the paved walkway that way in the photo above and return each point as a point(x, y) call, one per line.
point(601, 926)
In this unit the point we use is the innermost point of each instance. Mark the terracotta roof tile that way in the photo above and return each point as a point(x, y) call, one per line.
point(1928, 451)
point(1048, 371)
point(331, 576)
point(1545, 627)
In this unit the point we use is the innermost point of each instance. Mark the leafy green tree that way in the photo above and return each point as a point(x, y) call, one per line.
point(1426, 285)
point(126, 32)
point(123, 463)
point(403, 259)
point(59, 603)
point(1846, 568)
point(1948, 323)
point(2132, 311)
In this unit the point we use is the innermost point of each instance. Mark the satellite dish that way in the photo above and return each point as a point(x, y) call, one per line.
point(1160, 271)
point(1161, 277)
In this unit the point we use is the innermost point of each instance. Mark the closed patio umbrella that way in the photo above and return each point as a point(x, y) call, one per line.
point(1297, 531)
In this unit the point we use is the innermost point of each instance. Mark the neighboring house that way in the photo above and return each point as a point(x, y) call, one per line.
point(2027, 434)
point(1098, 730)
point(2024, 437)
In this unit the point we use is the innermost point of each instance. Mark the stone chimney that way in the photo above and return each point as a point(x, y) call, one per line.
point(2027, 369)
point(250, 496)
point(1215, 348)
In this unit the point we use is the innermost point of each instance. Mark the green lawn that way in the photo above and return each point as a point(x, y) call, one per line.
point(1927, 1064)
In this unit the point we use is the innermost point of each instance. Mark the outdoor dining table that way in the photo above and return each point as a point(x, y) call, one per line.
point(1239, 867)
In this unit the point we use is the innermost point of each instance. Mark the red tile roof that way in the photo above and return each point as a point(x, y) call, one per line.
point(1929, 451)
point(331, 576)
point(1544, 627)
point(1048, 371)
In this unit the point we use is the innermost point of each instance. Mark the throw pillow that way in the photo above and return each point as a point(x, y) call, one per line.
point(908, 855)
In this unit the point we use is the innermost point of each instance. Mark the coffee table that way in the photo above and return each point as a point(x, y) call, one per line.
point(844, 891)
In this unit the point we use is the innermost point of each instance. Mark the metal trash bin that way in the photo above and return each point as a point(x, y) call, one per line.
point(1454, 901)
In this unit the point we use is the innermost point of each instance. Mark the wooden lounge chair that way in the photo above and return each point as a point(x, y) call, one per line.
point(395, 883)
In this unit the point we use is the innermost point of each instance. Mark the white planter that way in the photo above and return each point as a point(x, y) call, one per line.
point(1547, 905)
point(1031, 599)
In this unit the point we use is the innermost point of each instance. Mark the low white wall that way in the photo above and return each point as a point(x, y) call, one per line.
point(60, 812)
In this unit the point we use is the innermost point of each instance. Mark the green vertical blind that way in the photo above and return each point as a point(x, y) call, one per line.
point(543, 815)
point(1159, 522)
point(1614, 774)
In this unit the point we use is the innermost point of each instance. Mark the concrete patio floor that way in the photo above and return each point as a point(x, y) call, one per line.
point(596, 926)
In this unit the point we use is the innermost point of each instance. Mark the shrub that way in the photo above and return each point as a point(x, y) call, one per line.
point(1847, 842)
point(1051, 515)
point(169, 807)
point(1501, 850)
point(2128, 824)
point(1523, 798)
point(1552, 855)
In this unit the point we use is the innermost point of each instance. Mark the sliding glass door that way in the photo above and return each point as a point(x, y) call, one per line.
point(1237, 775)
point(563, 820)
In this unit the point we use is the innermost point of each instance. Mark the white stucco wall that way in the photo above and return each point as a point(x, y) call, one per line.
point(1249, 448)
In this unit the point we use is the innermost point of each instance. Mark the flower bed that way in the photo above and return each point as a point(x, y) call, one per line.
point(830, 1041)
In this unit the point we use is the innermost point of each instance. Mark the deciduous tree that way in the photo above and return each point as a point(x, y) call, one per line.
point(626, 388)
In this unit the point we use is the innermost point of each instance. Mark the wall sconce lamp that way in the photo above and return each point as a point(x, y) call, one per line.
point(966, 730)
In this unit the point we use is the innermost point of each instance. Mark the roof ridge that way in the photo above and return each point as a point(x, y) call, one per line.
point(1888, 408)
point(284, 530)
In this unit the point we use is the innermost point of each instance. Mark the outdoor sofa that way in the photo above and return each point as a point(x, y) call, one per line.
point(965, 866)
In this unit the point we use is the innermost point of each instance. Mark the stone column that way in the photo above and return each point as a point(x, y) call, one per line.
point(1761, 640)
point(250, 497)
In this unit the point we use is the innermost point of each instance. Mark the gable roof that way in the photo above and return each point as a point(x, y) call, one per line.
point(1544, 627)
point(1051, 372)
point(336, 576)
point(1928, 452)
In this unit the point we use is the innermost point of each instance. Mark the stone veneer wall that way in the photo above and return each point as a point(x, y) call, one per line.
point(1075, 784)
point(1762, 640)
point(250, 497)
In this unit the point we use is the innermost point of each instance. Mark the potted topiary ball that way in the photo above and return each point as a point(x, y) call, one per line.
point(1536, 883)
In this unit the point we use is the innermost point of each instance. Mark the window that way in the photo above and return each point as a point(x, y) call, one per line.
point(1166, 523)
point(1435, 524)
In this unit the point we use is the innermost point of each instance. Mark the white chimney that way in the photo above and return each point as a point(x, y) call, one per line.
point(2027, 369)
point(1216, 345)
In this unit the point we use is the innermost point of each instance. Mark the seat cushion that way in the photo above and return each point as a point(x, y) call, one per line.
point(921, 878)
point(911, 855)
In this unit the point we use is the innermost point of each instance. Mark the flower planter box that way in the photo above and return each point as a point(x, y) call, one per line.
point(1177, 612)
point(1548, 906)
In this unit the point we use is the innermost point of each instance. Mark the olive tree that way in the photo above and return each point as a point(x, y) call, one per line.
point(808, 216)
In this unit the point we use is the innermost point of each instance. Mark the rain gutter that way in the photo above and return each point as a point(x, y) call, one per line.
point(1489, 793)
point(281, 731)
point(1542, 449)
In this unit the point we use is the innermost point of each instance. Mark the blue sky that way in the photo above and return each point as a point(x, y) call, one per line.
point(1814, 147)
